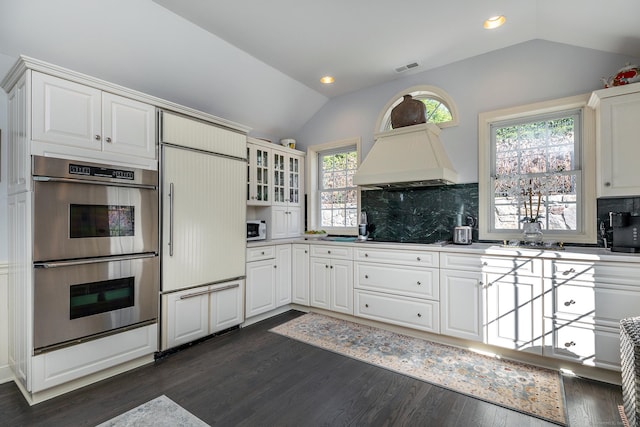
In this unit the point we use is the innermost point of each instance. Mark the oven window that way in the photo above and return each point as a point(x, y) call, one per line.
point(101, 221)
point(99, 297)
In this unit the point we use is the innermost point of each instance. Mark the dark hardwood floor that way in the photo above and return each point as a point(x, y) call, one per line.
point(251, 377)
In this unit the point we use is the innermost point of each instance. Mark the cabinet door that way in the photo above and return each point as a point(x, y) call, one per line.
point(226, 305)
point(128, 126)
point(300, 274)
point(320, 287)
point(514, 312)
point(294, 182)
point(66, 113)
point(259, 175)
point(283, 274)
point(294, 222)
point(619, 150)
point(261, 287)
point(461, 304)
point(279, 226)
point(186, 316)
point(279, 171)
point(341, 273)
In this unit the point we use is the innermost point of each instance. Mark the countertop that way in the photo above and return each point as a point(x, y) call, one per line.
point(579, 253)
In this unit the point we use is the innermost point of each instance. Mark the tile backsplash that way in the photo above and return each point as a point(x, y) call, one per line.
point(427, 215)
point(419, 215)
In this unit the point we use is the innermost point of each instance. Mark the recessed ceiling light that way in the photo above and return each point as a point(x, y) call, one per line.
point(494, 22)
point(327, 80)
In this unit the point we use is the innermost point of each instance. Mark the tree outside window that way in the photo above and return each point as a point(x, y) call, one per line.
point(337, 193)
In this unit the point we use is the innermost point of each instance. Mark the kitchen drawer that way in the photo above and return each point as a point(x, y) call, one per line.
point(261, 252)
point(398, 310)
point(568, 270)
point(512, 265)
point(327, 251)
point(467, 262)
point(586, 344)
point(403, 257)
point(400, 280)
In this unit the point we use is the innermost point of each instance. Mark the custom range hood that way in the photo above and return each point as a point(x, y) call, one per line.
point(411, 156)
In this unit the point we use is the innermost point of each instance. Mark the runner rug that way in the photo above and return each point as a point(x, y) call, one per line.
point(159, 412)
point(518, 386)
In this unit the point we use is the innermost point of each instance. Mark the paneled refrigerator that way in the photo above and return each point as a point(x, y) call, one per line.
point(203, 176)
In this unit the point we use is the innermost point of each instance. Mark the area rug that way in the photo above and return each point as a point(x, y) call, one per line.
point(159, 412)
point(518, 386)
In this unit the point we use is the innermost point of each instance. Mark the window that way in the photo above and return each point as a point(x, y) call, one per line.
point(536, 165)
point(334, 199)
point(440, 107)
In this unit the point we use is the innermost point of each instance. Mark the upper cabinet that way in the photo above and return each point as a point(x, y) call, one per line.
point(617, 130)
point(258, 175)
point(286, 178)
point(83, 121)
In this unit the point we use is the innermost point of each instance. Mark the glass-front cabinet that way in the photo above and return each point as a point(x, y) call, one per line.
point(286, 179)
point(258, 175)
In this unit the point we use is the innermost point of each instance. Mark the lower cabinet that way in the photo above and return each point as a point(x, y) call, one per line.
point(400, 310)
point(268, 278)
point(462, 304)
point(195, 313)
point(300, 274)
point(331, 278)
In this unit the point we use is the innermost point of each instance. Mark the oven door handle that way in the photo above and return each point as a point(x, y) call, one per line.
point(56, 264)
point(105, 183)
point(209, 291)
point(171, 197)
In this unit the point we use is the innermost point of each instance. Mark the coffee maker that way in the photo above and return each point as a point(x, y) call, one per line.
point(363, 233)
point(625, 232)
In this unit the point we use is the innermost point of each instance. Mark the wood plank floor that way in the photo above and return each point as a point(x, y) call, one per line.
point(251, 377)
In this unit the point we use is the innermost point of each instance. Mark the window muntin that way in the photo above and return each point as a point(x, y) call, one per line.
point(338, 196)
point(536, 172)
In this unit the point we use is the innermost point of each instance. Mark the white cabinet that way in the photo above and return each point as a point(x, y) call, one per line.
point(399, 287)
point(287, 178)
point(259, 164)
point(584, 303)
point(462, 304)
point(284, 222)
point(617, 130)
point(195, 313)
point(331, 278)
point(300, 274)
point(268, 278)
point(72, 119)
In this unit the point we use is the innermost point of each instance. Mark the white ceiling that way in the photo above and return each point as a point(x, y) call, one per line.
point(362, 42)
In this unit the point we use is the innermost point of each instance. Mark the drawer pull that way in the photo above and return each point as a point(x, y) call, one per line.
point(419, 315)
point(366, 255)
point(480, 283)
point(328, 252)
point(419, 283)
point(569, 271)
point(568, 303)
point(331, 266)
point(569, 344)
point(366, 305)
point(275, 266)
point(418, 258)
point(326, 266)
point(262, 253)
point(366, 276)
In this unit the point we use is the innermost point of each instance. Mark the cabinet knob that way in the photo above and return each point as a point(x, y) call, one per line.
point(366, 276)
point(262, 252)
point(607, 184)
point(97, 137)
point(275, 266)
point(419, 315)
point(331, 266)
point(480, 283)
point(419, 283)
point(328, 252)
point(418, 258)
point(366, 305)
point(326, 266)
point(569, 271)
point(568, 303)
point(569, 344)
point(108, 139)
point(305, 251)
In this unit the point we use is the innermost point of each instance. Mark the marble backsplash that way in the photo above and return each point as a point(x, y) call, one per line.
point(428, 215)
point(419, 215)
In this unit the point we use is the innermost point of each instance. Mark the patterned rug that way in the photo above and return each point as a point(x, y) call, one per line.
point(159, 412)
point(518, 386)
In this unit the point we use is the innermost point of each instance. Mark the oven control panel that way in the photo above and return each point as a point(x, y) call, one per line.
point(85, 170)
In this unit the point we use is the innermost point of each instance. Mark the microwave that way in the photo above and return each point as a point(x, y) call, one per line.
point(256, 230)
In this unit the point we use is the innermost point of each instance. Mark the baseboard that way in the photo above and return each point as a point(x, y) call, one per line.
point(6, 374)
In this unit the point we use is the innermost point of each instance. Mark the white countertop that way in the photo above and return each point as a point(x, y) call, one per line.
point(585, 253)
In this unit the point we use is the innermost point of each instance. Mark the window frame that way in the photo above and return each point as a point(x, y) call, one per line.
point(313, 187)
point(586, 206)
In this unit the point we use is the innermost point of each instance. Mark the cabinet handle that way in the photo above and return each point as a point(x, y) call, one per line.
point(305, 251)
point(366, 276)
point(419, 315)
point(209, 291)
point(366, 255)
point(569, 271)
point(275, 266)
point(569, 344)
point(607, 184)
point(97, 137)
point(108, 139)
point(331, 266)
point(326, 266)
point(171, 197)
point(328, 252)
point(419, 283)
point(366, 305)
point(568, 303)
point(418, 258)
point(262, 253)
point(480, 283)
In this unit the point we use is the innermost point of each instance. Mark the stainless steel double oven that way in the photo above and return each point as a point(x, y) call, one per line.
point(95, 237)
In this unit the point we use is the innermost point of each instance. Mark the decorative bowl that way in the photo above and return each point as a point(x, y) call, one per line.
point(288, 142)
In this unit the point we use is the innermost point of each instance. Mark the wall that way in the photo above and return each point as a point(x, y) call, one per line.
point(528, 72)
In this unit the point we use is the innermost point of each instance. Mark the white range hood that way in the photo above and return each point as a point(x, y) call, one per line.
point(411, 156)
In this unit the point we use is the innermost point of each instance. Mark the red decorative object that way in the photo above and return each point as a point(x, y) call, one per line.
point(627, 74)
